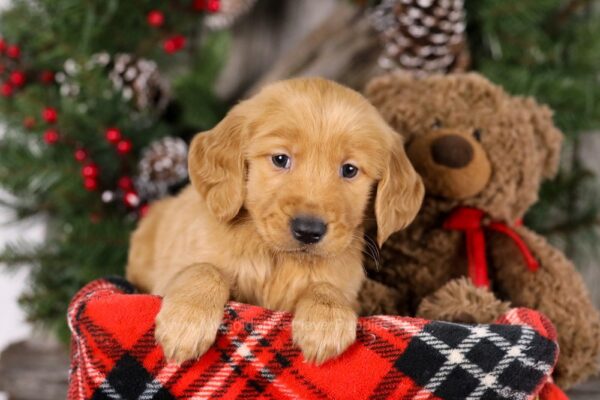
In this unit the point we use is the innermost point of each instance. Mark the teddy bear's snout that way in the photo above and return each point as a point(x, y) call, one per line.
point(451, 162)
point(452, 151)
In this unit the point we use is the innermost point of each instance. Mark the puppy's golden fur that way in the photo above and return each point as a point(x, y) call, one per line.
point(228, 235)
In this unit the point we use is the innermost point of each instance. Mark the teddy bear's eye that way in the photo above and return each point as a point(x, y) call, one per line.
point(477, 134)
point(437, 124)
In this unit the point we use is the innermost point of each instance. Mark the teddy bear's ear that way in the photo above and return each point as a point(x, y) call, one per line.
point(548, 137)
point(381, 89)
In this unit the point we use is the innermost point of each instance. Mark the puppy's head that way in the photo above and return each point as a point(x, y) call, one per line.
point(302, 157)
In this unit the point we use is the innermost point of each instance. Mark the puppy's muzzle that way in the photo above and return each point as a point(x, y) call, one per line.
point(308, 229)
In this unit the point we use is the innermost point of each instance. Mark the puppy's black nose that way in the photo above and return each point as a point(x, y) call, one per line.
point(452, 151)
point(308, 230)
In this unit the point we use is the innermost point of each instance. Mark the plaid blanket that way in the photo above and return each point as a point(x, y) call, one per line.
point(115, 356)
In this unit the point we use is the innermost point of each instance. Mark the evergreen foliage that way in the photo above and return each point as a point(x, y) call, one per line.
point(87, 238)
point(550, 49)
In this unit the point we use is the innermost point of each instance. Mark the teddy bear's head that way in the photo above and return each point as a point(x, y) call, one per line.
point(473, 144)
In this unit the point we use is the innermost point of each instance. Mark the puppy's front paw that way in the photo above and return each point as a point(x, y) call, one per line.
point(186, 332)
point(323, 332)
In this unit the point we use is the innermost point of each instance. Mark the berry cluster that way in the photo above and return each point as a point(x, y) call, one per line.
point(13, 75)
point(90, 171)
point(174, 42)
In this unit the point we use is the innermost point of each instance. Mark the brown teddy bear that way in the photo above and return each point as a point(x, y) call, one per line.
point(482, 154)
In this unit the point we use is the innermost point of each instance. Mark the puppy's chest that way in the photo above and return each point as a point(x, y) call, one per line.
point(249, 279)
point(270, 284)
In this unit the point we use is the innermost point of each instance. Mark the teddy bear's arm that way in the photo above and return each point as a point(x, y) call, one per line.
point(557, 290)
point(376, 298)
point(460, 301)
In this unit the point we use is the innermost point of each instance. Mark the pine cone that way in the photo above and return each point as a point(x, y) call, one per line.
point(139, 80)
point(163, 165)
point(422, 36)
point(229, 12)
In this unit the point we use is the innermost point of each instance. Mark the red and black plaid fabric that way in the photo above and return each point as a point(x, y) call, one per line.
point(115, 356)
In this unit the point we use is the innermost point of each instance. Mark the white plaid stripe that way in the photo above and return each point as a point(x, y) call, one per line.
point(525, 339)
point(151, 389)
point(401, 324)
point(109, 391)
point(96, 375)
point(259, 366)
point(262, 368)
point(76, 356)
point(513, 317)
point(165, 374)
point(243, 351)
point(159, 381)
point(475, 336)
point(80, 350)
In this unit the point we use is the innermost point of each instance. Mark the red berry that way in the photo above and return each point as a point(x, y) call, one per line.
point(169, 46)
point(80, 155)
point(28, 122)
point(7, 89)
point(124, 146)
point(174, 44)
point(51, 136)
point(155, 18)
point(90, 184)
point(49, 115)
point(13, 51)
point(207, 5)
point(2, 45)
point(125, 183)
point(179, 41)
point(90, 170)
point(113, 135)
point(47, 77)
point(17, 78)
point(131, 199)
point(213, 5)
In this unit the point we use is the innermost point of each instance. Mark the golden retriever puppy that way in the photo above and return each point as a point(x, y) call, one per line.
point(274, 217)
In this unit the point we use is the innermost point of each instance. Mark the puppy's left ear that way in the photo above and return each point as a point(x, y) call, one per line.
point(399, 193)
point(217, 167)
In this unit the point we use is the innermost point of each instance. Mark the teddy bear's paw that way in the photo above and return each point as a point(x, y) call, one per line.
point(460, 301)
point(186, 332)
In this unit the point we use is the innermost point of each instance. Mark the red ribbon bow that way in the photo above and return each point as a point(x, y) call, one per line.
point(470, 220)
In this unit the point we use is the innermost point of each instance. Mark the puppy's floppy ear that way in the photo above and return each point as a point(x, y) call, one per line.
point(399, 193)
point(217, 167)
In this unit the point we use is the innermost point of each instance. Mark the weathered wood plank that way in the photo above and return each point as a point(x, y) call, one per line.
point(261, 37)
point(34, 370)
point(344, 47)
point(586, 391)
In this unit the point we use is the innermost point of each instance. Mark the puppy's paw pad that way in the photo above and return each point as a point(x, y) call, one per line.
point(184, 332)
point(324, 334)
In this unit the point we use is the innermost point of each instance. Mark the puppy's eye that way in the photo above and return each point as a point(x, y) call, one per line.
point(477, 133)
point(437, 124)
point(348, 171)
point(281, 161)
